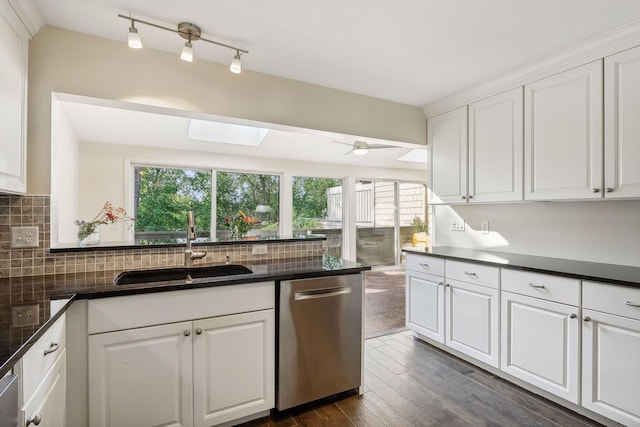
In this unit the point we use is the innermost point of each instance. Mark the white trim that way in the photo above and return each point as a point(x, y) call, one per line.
point(28, 14)
point(609, 43)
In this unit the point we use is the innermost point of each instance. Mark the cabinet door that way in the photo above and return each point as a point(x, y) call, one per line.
point(472, 320)
point(610, 370)
point(496, 147)
point(425, 305)
point(141, 377)
point(14, 51)
point(234, 367)
point(563, 135)
point(47, 406)
point(622, 127)
point(447, 141)
point(540, 344)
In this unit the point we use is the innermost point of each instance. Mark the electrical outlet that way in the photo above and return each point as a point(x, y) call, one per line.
point(25, 315)
point(457, 224)
point(484, 227)
point(24, 237)
point(260, 250)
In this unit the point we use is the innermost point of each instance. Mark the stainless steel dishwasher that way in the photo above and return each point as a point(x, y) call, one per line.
point(320, 338)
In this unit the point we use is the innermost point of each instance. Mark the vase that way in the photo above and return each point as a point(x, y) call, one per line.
point(420, 239)
point(90, 239)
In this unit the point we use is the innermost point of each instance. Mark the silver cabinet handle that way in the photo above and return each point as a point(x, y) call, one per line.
point(470, 273)
point(187, 332)
point(447, 285)
point(53, 347)
point(198, 331)
point(424, 265)
point(630, 304)
point(440, 284)
point(573, 315)
point(596, 190)
point(464, 197)
point(533, 285)
point(36, 420)
point(609, 190)
point(587, 319)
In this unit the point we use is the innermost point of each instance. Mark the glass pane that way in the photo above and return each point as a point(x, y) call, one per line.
point(162, 197)
point(257, 196)
point(412, 209)
point(375, 222)
point(317, 209)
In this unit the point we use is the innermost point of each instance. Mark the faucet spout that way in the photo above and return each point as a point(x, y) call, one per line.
point(189, 254)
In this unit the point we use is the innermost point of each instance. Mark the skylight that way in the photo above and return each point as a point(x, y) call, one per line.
point(417, 155)
point(226, 133)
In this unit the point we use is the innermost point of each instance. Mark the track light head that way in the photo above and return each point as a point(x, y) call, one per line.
point(187, 52)
point(133, 38)
point(236, 64)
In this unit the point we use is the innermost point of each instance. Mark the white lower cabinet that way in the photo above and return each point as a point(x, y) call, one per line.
point(425, 296)
point(471, 325)
point(199, 373)
point(540, 344)
point(198, 357)
point(610, 351)
point(46, 406)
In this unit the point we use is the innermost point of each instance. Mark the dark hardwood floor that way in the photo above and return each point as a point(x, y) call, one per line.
point(410, 383)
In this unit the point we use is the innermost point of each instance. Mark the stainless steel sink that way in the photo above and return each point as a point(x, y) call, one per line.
point(179, 273)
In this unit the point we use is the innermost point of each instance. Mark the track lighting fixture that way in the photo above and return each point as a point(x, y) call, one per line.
point(188, 31)
point(134, 38)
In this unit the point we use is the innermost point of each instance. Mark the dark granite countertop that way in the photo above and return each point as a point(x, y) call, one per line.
point(15, 342)
point(600, 272)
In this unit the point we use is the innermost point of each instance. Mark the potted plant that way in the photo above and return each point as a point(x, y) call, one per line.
point(420, 236)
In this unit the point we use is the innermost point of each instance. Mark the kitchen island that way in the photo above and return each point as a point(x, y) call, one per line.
point(230, 298)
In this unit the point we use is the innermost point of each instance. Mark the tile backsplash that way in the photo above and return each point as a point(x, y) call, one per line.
point(34, 210)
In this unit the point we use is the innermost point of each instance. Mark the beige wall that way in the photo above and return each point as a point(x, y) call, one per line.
point(70, 62)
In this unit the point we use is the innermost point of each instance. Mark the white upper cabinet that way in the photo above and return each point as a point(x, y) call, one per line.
point(563, 135)
point(447, 141)
point(14, 51)
point(622, 124)
point(495, 148)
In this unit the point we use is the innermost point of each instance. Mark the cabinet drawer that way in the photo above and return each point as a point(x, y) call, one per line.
point(473, 273)
point(425, 264)
point(545, 286)
point(40, 357)
point(136, 311)
point(619, 300)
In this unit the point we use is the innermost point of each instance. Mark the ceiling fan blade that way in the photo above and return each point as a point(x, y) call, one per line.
point(374, 146)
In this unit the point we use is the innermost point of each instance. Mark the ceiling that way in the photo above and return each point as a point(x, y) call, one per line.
point(94, 124)
point(413, 51)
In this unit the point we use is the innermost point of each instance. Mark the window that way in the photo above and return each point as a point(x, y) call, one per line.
point(255, 195)
point(162, 197)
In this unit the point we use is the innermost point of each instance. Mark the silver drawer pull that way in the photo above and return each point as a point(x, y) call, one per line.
point(424, 265)
point(53, 347)
point(469, 273)
point(198, 331)
point(630, 304)
point(587, 319)
point(186, 332)
point(573, 315)
point(36, 420)
point(441, 283)
point(533, 285)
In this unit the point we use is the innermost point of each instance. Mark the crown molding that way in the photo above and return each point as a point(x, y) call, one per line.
point(28, 14)
point(619, 39)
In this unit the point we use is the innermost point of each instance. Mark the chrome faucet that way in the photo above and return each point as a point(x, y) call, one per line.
point(189, 254)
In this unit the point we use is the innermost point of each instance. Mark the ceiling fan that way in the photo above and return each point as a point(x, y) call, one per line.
point(360, 148)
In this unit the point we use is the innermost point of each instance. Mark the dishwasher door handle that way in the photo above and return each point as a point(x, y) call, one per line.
point(322, 293)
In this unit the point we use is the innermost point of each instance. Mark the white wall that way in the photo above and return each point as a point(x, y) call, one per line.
point(75, 63)
point(596, 231)
point(65, 181)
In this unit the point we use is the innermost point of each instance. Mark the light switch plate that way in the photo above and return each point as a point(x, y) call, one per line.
point(260, 250)
point(24, 237)
point(25, 315)
point(457, 224)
